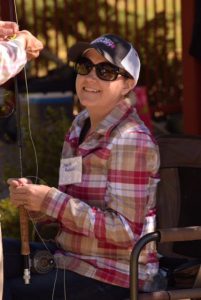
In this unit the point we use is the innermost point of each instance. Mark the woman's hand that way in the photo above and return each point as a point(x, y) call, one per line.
point(31, 196)
point(14, 182)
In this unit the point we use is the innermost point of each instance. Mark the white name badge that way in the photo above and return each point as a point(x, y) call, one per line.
point(70, 170)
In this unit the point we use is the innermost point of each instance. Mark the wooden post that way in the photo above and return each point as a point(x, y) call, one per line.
point(4, 11)
point(191, 73)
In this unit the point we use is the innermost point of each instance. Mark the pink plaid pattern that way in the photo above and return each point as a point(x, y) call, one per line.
point(104, 215)
point(12, 59)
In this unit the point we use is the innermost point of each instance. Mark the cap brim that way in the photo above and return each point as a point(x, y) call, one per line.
point(76, 50)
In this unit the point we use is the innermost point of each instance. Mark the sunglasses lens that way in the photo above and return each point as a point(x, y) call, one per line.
point(83, 66)
point(106, 71)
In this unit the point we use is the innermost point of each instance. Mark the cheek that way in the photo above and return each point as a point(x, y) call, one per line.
point(78, 82)
point(116, 89)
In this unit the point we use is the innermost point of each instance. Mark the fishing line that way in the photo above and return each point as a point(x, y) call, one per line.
point(36, 164)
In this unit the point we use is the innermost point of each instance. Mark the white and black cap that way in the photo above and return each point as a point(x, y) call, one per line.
point(115, 49)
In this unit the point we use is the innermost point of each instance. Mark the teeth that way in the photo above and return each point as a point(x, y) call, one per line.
point(91, 90)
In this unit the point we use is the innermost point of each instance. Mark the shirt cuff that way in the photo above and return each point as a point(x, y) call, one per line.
point(17, 44)
point(54, 203)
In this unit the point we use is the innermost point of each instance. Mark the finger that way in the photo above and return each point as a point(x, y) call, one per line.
point(32, 42)
point(31, 56)
point(11, 189)
point(15, 27)
point(33, 53)
point(9, 24)
point(33, 48)
point(8, 28)
point(20, 191)
point(13, 181)
point(18, 181)
point(24, 181)
point(18, 202)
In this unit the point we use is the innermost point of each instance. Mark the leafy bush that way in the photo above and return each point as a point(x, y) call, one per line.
point(47, 135)
point(9, 219)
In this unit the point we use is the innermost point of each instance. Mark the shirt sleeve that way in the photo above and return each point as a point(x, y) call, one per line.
point(131, 186)
point(12, 59)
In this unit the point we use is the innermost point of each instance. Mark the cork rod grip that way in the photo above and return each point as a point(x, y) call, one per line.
point(24, 229)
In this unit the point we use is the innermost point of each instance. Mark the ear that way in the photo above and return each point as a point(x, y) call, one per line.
point(129, 86)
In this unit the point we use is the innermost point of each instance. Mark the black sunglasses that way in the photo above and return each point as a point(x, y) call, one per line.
point(105, 70)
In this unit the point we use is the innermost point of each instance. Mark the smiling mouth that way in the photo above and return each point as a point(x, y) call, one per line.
point(90, 90)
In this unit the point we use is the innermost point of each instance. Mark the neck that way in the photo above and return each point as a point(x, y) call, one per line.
point(97, 114)
point(95, 119)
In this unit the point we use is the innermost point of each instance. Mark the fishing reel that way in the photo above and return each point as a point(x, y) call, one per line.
point(42, 262)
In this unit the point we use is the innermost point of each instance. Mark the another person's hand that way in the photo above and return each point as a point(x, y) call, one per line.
point(8, 28)
point(31, 196)
point(31, 44)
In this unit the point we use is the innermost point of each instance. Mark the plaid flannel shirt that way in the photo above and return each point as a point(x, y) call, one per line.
point(12, 59)
point(104, 215)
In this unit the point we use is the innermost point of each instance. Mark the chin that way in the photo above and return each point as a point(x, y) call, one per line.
point(88, 103)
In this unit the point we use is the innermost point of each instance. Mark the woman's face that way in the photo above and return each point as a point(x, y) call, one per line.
point(98, 95)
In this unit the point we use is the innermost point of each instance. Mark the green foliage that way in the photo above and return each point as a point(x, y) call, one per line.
point(48, 131)
point(42, 141)
point(10, 223)
point(9, 219)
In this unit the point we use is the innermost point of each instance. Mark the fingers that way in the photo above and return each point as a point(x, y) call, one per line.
point(32, 54)
point(32, 45)
point(24, 181)
point(17, 196)
point(18, 201)
point(13, 182)
point(18, 181)
point(8, 28)
point(31, 196)
point(15, 192)
point(19, 193)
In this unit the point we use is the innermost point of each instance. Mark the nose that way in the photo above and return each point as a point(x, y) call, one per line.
point(92, 73)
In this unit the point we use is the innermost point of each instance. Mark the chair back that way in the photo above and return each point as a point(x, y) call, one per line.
point(179, 191)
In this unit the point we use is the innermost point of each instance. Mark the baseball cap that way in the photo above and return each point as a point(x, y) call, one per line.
point(115, 49)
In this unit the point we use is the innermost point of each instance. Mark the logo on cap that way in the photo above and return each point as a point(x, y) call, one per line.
point(104, 41)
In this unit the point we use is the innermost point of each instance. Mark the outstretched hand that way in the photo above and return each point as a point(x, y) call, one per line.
point(32, 45)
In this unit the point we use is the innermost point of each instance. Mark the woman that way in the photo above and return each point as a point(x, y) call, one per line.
point(107, 183)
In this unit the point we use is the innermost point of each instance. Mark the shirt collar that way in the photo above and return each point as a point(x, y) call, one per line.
point(120, 112)
point(122, 109)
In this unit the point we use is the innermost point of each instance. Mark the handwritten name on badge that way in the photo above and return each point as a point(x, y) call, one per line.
point(70, 170)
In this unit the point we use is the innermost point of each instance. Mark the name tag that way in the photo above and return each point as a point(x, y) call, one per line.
point(70, 170)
